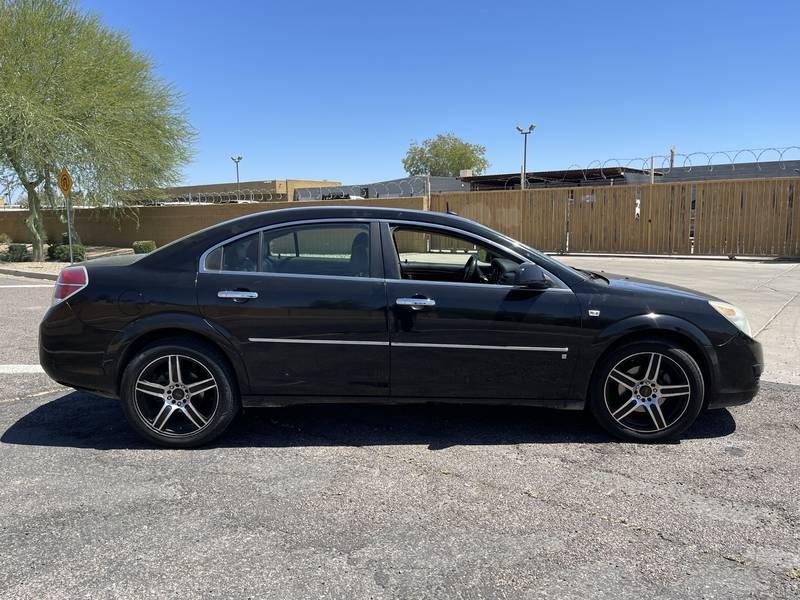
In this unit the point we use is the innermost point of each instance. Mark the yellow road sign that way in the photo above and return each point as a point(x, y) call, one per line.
point(65, 181)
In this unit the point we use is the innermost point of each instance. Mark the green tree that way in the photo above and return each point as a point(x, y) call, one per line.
point(75, 94)
point(445, 155)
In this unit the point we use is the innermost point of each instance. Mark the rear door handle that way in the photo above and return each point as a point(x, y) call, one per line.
point(416, 302)
point(237, 294)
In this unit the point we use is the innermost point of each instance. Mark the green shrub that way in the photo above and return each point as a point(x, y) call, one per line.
point(18, 253)
point(143, 247)
point(55, 252)
point(60, 252)
point(5, 238)
point(62, 239)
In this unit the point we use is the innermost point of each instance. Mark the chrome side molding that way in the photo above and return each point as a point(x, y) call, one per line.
point(335, 342)
point(479, 347)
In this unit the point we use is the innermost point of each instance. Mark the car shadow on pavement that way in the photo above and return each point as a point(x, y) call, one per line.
point(79, 420)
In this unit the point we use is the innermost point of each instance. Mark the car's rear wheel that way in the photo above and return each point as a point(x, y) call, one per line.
point(179, 393)
point(647, 391)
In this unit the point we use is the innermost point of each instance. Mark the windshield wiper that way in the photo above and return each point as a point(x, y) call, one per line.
point(593, 275)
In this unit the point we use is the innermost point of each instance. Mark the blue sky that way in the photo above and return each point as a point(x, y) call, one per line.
point(338, 90)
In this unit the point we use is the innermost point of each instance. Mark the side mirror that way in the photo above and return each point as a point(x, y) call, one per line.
point(531, 276)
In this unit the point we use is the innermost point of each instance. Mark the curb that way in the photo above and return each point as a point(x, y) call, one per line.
point(31, 274)
point(762, 259)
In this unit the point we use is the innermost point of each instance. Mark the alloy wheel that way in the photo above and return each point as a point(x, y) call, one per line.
point(647, 392)
point(176, 395)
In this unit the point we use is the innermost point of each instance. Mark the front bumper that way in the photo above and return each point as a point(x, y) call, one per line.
point(740, 362)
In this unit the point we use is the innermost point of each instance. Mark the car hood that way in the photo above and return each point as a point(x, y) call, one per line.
point(634, 285)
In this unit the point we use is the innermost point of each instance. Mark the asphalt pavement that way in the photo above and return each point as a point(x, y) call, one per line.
point(406, 501)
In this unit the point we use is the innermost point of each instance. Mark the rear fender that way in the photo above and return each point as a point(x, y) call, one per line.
point(173, 323)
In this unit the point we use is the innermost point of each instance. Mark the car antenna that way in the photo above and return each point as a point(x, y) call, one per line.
point(447, 208)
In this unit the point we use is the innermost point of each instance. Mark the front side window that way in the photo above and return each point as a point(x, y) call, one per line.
point(336, 249)
point(431, 255)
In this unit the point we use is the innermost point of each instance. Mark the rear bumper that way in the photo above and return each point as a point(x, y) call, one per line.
point(65, 357)
point(740, 362)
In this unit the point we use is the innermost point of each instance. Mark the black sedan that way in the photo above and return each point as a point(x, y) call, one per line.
point(372, 305)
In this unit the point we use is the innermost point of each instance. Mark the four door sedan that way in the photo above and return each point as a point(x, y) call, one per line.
point(381, 305)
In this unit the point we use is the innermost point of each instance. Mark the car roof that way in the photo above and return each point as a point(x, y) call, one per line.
point(184, 253)
point(364, 212)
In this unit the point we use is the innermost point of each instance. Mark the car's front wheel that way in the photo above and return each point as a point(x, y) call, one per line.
point(647, 391)
point(179, 393)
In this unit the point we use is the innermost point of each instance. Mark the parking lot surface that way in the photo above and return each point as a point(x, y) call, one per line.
point(407, 502)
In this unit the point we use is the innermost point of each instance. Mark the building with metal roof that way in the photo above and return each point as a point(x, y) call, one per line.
point(403, 187)
point(627, 175)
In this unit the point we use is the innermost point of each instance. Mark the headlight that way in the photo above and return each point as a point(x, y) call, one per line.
point(733, 314)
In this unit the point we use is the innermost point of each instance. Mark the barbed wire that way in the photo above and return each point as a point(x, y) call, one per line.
point(227, 197)
point(410, 186)
point(663, 165)
point(693, 161)
point(415, 185)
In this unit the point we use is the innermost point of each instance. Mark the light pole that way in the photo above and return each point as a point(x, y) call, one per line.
point(525, 133)
point(236, 160)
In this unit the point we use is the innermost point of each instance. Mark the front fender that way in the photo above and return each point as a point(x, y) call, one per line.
point(654, 322)
point(118, 352)
point(638, 327)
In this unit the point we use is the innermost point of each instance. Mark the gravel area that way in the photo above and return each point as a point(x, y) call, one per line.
point(431, 501)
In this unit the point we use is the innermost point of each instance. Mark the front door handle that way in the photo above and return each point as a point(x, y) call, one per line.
point(237, 294)
point(416, 303)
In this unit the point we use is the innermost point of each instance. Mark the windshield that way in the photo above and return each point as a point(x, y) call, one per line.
point(540, 257)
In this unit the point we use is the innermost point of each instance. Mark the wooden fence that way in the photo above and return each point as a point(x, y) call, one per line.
point(759, 217)
point(735, 217)
point(538, 218)
point(749, 218)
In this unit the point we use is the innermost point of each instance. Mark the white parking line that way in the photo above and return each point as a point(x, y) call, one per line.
point(17, 369)
point(34, 395)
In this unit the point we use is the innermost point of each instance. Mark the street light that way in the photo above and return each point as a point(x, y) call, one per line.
point(525, 133)
point(236, 160)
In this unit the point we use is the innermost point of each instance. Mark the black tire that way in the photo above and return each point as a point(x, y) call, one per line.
point(657, 409)
point(180, 411)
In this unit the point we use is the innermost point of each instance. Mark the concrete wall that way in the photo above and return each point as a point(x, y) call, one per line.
point(101, 227)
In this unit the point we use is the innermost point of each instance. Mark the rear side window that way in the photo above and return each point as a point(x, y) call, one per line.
point(241, 254)
point(336, 249)
point(214, 260)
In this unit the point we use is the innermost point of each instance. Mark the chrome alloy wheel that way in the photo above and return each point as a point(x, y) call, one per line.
point(647, 392)
point(176, 395)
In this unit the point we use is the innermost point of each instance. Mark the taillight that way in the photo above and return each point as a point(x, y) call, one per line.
point(70, 281)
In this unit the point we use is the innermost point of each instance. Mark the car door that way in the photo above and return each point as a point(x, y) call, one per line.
point(306, 304)
point(457, 339)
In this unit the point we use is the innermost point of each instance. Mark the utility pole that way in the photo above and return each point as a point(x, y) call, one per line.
point(671, 157)
point(428, 185)
point(524, 175)
point(237, 159)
